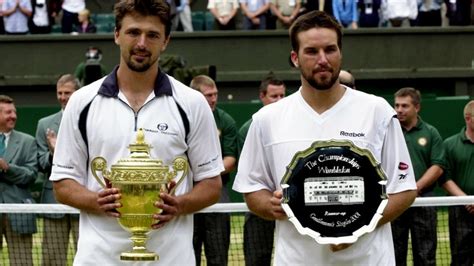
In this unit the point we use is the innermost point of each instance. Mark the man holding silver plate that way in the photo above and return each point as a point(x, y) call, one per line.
point(329, 163)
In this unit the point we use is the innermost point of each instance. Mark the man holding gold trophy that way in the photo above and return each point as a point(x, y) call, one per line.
point(153, 131)
point(345, 136)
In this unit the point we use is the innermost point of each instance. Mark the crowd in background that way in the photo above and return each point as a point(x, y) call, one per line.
point(71, 16)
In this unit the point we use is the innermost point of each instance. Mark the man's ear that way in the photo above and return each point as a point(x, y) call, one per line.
point(294, 59)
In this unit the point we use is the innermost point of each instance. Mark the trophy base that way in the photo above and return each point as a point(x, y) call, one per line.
point(139, 256)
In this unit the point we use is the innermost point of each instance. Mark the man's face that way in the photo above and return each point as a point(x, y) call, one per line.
point(64, 92)
point(319, 58)
point(274, 94)
point(141, 39)
point(7, 117)
point(406, 110)
point(210, 92)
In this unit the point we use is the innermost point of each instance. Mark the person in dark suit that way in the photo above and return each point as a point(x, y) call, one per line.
point(18, 170)
point(56, 226)
point(85, 24)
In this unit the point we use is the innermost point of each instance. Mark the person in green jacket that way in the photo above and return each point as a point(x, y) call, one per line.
point(460, 182)
point(213, 229)
point(258, 232)
point(425, 146)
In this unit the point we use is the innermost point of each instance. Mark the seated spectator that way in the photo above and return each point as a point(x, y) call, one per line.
point(429, 13)
point(15, 16)
point(255, 14)
point(85, 25)
point(285, 12)
point(369, 13)
point(397, 11)
point(224, 13)
point(346, 13)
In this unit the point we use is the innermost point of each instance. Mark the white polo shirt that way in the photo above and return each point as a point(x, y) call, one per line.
point(281, 129)
point(111, 127)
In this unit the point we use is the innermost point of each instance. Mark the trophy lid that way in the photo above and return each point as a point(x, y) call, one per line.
point(140, 149)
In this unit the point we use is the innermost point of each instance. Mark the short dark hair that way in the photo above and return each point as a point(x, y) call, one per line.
point(158, 8)
point(6, 99)
point(270, 79)
point(310, 20)
point(409, 91)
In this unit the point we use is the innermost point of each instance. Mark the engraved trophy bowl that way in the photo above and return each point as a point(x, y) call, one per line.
point(140, 180)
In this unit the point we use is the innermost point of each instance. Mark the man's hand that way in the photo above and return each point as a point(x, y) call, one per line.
point(107, 200)
point(470, 208)
point(277, 210)
point(169, 207)
point(3, 165)
point(51, 140)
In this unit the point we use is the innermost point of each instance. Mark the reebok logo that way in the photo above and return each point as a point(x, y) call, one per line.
point(352, 134)
point(402, 176)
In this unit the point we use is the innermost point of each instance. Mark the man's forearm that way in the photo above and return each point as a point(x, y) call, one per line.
point(204, 194)
point(397, 204)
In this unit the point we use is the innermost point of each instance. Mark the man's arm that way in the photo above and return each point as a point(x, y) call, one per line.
point(429, 177)
point(397, 204)
point(204, 193)
point(229, 164)
point(70, 192)
point(266, 204)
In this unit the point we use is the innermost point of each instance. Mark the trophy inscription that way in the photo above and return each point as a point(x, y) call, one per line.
point(334, 192)
point(140, 180)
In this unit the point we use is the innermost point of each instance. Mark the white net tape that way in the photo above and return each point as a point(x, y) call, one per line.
point(222, 207)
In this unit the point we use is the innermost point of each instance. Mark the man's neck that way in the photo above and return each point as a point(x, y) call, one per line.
point(469, 134)
point(408, 125)
point(136, 86)
point(322, 100)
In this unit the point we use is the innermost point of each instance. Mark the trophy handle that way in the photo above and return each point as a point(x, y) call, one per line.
point(99, 164)
point(179, 164)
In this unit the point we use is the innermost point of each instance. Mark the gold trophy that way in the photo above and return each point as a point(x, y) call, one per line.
point(140, 180)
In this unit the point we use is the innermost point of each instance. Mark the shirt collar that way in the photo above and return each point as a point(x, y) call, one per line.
point(464, 137)
point(109, 87)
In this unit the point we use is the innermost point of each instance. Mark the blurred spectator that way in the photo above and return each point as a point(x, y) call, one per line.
point(56, 227)
point(213, 229)
point(15, 16)
point(369, 13)
point(43, 16)
point(71, 9)
point(255, 14)
point(321, 5)
point(224, 13)
point(91, 69)
point(258, 232)
point(85, 25)
point(398, 11)
point(285, 11)
point(346, 13)
point(2, 27)
point(429, 13)
point(18, 170)
point(458, 12)
point(346, 78)
point(425, 147)
point(183, 16)
point(459, 181)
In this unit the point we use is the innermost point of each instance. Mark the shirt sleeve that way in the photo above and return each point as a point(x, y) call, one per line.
point(396, 160)
point(70, 155)
point(204, 150)
point(253, 172)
